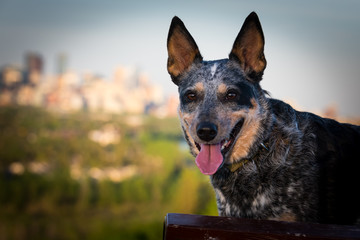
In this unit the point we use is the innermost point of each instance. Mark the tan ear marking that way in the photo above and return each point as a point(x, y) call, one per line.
point(182, 49)
point(248, 48)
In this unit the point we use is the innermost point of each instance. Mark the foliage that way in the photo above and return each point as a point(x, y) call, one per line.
point(56, 182)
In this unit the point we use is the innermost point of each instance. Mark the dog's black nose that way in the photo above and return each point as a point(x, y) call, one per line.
point(206, 131)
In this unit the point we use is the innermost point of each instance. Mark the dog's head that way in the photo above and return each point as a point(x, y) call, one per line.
point(221, 102)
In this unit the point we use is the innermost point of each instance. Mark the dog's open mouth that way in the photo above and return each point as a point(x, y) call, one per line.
point(227, 143)
point(211, 157)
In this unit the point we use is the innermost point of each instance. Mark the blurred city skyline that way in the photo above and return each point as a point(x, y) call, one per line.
point(311, 46)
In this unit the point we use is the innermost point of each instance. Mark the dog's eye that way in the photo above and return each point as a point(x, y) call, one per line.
point(191, 96)
point(231, 95)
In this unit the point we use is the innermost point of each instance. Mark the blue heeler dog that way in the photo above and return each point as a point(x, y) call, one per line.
point(265, 159)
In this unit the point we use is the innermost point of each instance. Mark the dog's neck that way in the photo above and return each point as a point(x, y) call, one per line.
point(235, 166)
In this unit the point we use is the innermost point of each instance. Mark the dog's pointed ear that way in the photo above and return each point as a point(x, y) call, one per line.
point(182, 49)
point(248, 49)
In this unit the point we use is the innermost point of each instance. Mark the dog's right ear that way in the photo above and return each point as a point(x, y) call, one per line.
point(182, 49)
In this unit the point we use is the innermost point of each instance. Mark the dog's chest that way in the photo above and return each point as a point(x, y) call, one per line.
point(248, 197)
point(252, 207)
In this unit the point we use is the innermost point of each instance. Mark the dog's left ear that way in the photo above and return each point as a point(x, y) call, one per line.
point(248, 49)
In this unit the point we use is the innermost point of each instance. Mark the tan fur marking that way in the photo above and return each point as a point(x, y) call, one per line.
point(181, 54)
point(250, 51)
point(199, 87)
point(248, 132)
point(186, 121)
point(186, 118)
point(222, 88)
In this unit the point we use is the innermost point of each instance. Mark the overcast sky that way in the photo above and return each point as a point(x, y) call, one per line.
point(312, 47)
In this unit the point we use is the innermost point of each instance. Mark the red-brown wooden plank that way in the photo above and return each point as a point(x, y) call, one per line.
point(186, 227)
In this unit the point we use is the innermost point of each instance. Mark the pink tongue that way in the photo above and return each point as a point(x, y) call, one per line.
point(209, 159)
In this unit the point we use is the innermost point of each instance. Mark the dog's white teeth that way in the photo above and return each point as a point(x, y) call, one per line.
point(225, 144)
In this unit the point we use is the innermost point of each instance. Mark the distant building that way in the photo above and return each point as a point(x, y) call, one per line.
point(61, 63)
point(34, 67)
point(11, 77)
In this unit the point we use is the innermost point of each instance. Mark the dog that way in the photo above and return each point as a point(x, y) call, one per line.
point(265, 159)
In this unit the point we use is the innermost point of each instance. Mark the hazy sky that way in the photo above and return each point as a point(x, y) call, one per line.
point(312, 47)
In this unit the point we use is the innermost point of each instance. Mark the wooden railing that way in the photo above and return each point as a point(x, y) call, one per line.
point(186, 227)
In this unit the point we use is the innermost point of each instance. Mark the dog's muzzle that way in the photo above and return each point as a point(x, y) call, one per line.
point(211, 155)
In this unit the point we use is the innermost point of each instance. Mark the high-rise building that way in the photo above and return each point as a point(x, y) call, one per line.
point(34, 62)
point(34, 67)
point(61, 63)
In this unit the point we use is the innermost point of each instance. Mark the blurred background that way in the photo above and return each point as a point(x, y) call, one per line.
point(90, 143)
